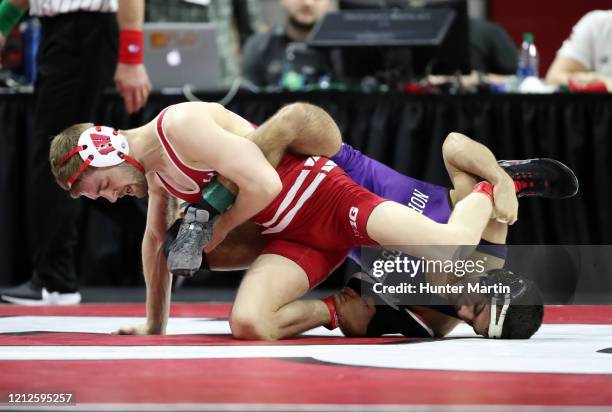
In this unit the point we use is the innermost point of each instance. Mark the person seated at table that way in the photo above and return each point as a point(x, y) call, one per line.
point(493, 56)
point(585, 59)
point(266, 55)
point(491, 48)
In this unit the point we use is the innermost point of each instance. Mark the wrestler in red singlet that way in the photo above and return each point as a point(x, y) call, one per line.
point(319, 214)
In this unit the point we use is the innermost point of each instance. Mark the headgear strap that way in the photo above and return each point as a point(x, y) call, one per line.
point(100, 146)
point(496, 326)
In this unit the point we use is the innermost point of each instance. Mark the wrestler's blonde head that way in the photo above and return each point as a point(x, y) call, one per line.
point(61, 145)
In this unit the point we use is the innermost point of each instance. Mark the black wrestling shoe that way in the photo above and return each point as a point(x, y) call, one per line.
point(185, 255)
point(28, 294)
point(547, 178)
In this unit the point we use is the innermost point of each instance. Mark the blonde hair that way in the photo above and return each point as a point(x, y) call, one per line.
point(61, 145)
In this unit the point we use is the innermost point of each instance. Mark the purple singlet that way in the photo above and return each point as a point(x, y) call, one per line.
point(426, 198)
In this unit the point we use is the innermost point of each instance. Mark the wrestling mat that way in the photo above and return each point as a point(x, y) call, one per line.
point(198, 366)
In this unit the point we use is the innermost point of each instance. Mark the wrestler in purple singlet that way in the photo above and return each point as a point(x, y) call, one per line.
point(426, 198)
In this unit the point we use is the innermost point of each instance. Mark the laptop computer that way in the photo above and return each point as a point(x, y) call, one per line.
point(176, 54)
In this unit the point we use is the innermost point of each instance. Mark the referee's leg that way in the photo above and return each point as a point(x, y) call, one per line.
point(77, 58)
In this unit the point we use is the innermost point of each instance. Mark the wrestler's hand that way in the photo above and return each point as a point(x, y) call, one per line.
point(2, 40)
point(506, 202)
point(584, 78)
point(137, 330)
point(354, 314)
point(133, 85)
point(220, 231)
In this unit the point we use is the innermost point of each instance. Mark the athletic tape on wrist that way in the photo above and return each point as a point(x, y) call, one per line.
point(333, 315)
point(485, 188)
point(9, 16)
point(218, 196)
point(130, 46)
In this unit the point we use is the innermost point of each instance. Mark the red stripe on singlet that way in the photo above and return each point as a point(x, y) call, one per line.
point(289, 169)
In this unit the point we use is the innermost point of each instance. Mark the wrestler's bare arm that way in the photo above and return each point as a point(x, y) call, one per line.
point(201, 141)
point(157, 278)
point(464, 157)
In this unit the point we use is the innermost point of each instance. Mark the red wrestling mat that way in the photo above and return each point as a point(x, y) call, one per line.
point(199, 366)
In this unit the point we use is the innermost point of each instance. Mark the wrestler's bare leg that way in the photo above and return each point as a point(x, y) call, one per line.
point(299, 128)
point(266, 306)
point(242, 245)
point(398, 227)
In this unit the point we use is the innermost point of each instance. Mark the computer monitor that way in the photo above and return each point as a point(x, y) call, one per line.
point(384, 28)
point(450, 56)
point(375, 4)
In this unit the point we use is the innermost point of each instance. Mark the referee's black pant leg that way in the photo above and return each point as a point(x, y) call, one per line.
point(75, 63)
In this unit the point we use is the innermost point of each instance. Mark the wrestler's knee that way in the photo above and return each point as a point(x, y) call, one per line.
point(249, 325)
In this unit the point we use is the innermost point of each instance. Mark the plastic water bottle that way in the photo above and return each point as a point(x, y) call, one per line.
point(528, 65)
point(31, 39)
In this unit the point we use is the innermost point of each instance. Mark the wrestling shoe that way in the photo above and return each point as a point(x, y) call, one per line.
point(28, 294)
point(185, 256)
point(547, 178)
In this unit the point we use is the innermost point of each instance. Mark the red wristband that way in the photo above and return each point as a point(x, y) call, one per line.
point(595, 87)
point(485, 188)
point(130, 46)
point(331, 305)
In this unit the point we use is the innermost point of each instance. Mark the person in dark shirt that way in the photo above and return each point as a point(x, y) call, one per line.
point(265, 54)
point(492, 50)
point(493, 56)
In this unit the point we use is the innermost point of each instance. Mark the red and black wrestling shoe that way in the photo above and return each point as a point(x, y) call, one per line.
point(547, 178)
